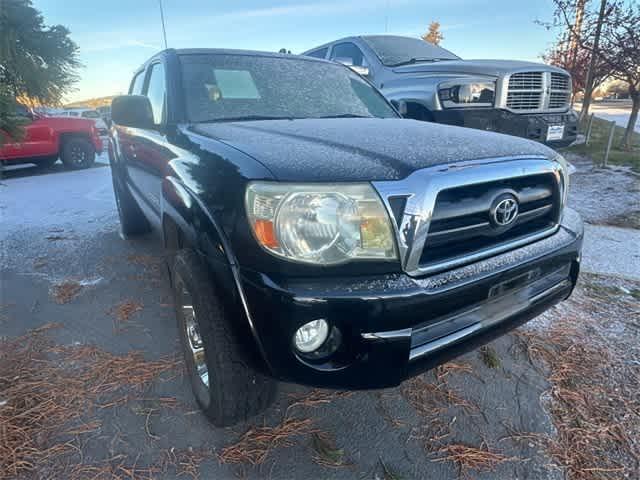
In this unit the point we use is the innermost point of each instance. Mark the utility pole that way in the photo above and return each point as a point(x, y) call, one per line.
point(576, 33)
point(164, 30)
point(588, 89)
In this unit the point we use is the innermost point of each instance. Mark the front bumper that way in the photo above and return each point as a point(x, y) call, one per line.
point(531, 126)
point(395, 326)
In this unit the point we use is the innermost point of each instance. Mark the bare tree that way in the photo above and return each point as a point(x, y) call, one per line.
point(617, 26)
point(433, 35)
point(621, 50)
point(577, 64)
point(589, 84)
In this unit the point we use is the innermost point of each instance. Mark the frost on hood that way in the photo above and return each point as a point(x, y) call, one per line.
point(362, 149)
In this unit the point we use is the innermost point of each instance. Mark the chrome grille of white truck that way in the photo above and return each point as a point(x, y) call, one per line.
point(536, 92)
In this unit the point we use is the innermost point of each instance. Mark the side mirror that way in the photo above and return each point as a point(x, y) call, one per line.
point(401, 106)
point(364, 71)
point(132, 111)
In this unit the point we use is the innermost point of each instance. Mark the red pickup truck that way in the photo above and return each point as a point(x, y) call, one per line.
point(74, 140)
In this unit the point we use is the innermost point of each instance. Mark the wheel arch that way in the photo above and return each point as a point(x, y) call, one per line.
point(187, 223)
point(64, 137)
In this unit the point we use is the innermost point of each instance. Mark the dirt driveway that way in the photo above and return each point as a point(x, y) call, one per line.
point(77, 401)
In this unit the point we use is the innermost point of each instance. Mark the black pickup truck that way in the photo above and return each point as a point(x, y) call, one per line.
point(316, 237)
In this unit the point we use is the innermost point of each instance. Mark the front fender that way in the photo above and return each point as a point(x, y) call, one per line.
point(200, 229)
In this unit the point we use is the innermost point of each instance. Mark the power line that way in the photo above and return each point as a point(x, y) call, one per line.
point(164, 30)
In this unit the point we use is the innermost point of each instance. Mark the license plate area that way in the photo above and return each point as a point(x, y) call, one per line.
point(555, 132)
point(514, 283)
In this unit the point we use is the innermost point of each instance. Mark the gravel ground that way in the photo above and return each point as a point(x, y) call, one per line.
point(609, 202)
point(603, 196)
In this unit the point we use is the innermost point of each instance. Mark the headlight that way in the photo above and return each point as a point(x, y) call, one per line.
point(320, 224)
point(467, 93)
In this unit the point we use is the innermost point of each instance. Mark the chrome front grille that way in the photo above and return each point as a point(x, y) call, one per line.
point(559, 99)
point(534, 92)
point(560, 81)
point(524, 100)
point(461, 223)
point(446, 216)
point(525, 81)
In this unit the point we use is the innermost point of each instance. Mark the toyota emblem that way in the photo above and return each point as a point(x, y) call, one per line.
point(505, 211)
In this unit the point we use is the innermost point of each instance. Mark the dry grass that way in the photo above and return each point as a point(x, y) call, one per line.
point(450, 368)
point(315, 398)
point(467, 458)
point(185, 462)
point(123, 312)
point(254, 446)
point(326, 453)
point(66, 291)
point(429, 399)
point(49, 393)
point(594, 402)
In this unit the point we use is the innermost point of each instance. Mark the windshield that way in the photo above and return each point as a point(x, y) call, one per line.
point(242, 87)
point(400, 50)
point(90, 114)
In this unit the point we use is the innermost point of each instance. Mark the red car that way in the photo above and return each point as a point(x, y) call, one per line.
point(74, 140)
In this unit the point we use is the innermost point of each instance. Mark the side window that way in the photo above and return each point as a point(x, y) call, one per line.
point(136, 84)
point(321, 53)
point(348, 51)
point(156, 92)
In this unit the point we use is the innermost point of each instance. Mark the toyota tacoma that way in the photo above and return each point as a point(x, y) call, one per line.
point(314, 236)
point(45, 139)
point(428, 82)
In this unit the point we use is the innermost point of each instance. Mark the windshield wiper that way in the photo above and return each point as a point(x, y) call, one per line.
point(345, 115)
point(247, 118)
point(416, 60)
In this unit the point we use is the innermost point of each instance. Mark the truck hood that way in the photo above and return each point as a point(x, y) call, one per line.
point(493, 68)
point(360, 149)
point(68, 122)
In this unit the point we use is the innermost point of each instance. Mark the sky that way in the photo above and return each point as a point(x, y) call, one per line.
point(117, 36)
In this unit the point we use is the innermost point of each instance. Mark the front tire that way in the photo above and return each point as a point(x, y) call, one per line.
point(78, 153)
point(227, 389)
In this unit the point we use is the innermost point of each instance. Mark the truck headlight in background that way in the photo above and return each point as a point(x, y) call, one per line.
point(320, 224)
point(467, 93)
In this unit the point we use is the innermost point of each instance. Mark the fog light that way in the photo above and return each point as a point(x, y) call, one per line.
point(311, 336)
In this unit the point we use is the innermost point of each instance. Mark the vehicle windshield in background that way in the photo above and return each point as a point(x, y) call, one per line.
point(90, 114)
point(394, 51)
point(242, 87)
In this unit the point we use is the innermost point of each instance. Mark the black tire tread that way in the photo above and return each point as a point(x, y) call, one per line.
point(66, 146)
point(237, 392)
